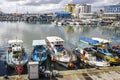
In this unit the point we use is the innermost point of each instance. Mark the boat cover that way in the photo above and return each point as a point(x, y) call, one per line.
point(39, 42)
point(83, 45)
point(54, 39)
point(88, 40)
point(101, 40)
point(15, 41)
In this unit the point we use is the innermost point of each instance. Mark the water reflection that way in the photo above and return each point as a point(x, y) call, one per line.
point(32, 31)
point(28, 32)
point(111, 31)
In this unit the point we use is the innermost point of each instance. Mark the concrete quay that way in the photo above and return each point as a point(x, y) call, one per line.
point(107, 73)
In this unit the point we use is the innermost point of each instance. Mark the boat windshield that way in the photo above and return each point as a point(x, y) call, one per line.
point(16, 54)
point(59, 47)
point(105, 51)
point(110, 55)
point(39, 48)
point(88, 50)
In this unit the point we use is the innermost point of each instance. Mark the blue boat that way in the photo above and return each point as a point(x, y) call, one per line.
point(39, 52)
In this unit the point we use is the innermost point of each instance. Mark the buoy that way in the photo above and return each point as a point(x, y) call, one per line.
point(19, 69)
point(71, 65)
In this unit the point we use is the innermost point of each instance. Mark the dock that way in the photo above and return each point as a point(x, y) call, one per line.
point(107, 73)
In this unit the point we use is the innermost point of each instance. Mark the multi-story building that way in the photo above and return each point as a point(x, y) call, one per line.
point(112, 8)
point(70, 8)
point(81, 9)
point(84, 8)
point(112, 11)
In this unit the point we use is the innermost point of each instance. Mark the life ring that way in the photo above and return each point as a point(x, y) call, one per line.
point(19, 69)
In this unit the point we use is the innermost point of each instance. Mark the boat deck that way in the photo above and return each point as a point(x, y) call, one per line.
point(107, 73)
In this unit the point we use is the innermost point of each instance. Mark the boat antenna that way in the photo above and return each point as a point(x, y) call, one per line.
point(16, 19)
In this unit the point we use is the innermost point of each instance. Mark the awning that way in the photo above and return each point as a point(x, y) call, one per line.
point(38, 42)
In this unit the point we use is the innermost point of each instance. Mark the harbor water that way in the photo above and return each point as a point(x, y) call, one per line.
point(35, 31)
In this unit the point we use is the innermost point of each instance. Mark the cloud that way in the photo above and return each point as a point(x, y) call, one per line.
point(39, 2)
point(49, 5)
point(100, 4)
point(14, 0)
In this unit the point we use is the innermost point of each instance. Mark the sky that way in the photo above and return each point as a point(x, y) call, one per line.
point(43, 6)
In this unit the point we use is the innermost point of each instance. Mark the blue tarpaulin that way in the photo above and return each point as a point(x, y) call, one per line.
point(62, 15)
point(88, 40)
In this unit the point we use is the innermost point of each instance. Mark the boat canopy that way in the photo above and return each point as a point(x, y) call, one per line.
point(83, 45)
point(15, 41)
point(101, 40)
point(88, 40)
point(54, 39)
point(39, 42)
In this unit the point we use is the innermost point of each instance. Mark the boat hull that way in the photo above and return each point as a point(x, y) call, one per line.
point(13, 62)
point(62, 62)
point(109, 59)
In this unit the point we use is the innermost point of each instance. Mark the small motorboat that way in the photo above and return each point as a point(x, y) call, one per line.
point(87, 55)
point(39, 53)
point(59, 53)
point(16, 53)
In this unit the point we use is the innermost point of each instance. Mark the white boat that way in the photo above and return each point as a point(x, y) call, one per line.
point(94, 62)
point(59, 53)
point(62, 22)
point(16, 53)
point(86, 54)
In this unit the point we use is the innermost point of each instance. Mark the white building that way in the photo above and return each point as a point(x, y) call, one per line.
point(84, 8)
point(112, 8)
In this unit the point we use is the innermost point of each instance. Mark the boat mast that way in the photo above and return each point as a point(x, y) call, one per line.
point(16, 19)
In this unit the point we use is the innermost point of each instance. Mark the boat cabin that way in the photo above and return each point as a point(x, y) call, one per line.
point(84, 47)
point(39, 47)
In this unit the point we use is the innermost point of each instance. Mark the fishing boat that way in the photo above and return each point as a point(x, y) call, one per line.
point(59, 53)
point(16, 53)
point(102, 49)
point(115, 49)
point(87, 55)
point(39, 53)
